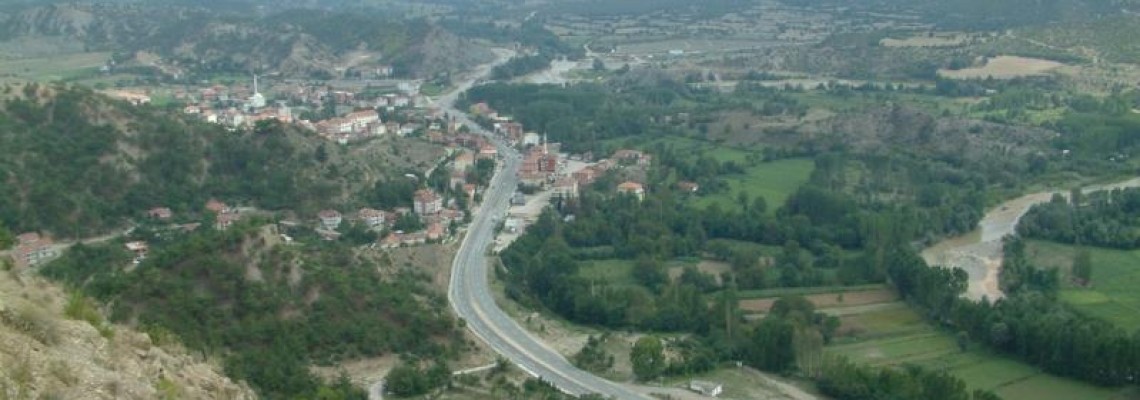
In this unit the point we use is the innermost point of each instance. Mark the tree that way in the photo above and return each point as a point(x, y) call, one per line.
point(599, 65)
point(6, 239)
point(648, 358)
point(1082, 266)
point(772, 348)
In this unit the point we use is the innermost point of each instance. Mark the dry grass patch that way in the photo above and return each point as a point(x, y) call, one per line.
point(1004, 67)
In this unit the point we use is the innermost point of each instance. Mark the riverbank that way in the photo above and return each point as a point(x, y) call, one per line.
point(979, 253)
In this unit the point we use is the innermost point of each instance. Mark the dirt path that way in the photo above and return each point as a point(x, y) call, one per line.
point(979, 253)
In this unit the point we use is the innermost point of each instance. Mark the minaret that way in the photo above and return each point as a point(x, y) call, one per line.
point(254, 83)
point(544, 148)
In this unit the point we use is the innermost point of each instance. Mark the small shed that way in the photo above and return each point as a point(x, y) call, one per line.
point(711, 389)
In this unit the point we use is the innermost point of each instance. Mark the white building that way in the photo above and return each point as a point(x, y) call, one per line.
point(330, 219)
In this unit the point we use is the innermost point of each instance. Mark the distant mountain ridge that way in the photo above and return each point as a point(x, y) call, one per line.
point(299, 43)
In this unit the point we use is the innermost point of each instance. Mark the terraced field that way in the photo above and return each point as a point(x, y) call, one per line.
point(895, 335)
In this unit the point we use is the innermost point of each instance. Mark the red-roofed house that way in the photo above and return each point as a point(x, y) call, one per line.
point(633, 188)
point(224, 221)
point(585, 176)
point(427, 202)
point(566, 188)
point(217, 207)
point(161, 213)
point(330, 219)
point(435, 231)
point(488, 151)
point(371, 217)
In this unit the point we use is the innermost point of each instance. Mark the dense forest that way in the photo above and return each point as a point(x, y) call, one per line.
point(78, 164)
point(270, 311)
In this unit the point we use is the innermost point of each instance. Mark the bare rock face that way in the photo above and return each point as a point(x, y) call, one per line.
point(45, 354)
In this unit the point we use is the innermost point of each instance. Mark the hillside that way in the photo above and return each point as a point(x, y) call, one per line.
point(295, 43)
point(49, 351)
point(75, 163)
point(268, 309)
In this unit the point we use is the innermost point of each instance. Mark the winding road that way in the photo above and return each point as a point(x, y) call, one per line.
point(469, 291)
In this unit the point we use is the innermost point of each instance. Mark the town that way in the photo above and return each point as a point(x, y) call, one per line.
point(547, 175)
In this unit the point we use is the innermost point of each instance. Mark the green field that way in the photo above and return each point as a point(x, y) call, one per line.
point(1112, 294)
point(774, 181)
point(62, 67)
point(897, 335)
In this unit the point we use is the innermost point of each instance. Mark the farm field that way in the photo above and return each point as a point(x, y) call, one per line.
point(1112, 294)
point(896, 335)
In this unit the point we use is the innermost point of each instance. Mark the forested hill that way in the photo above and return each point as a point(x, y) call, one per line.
point(74, 162)
point(301, 43)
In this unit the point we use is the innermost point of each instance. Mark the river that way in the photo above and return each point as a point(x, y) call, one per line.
point(979, 253)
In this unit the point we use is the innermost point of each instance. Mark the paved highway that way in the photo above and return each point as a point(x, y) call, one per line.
point(470, 294)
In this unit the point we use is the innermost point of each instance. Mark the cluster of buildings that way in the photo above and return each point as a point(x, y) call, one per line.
point(32, 249)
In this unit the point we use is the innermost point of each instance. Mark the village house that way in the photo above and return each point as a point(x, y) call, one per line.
point(488, 151)
point(371, 217)
point(585, 176)
point(31, 249)
point(330, 219)
point(225, 221)
point(434, 232)
point(688, 187)
point(139, 248)
point(565, 188)
point(361, 119)
point(632, 188)
point(427, 202)
point(531, 139)
point(218, 207)
point(160, 213)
